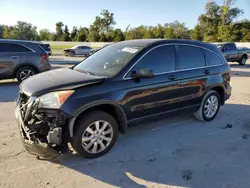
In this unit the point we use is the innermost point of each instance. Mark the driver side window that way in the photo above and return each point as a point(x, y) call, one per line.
point(160, 60)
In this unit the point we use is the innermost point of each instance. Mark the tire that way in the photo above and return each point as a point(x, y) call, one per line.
point(200, 113)
point(83, 126)
point(22, 70)
point(243, 60)
point(71, 54)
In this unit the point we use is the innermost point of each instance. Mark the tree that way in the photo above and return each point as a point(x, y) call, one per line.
point(66, 34)
point(1, 30)
point(197, 33)
point(73, 34)
point(117, 35)
point(59, 31)
point(52, 37)
point(217, 21)
point(93, 34)
point(44, 34)
point(22, 30)
point(176, 30)
point(82, 34)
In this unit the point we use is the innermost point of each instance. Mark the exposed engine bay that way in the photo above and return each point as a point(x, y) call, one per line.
point(41, 130)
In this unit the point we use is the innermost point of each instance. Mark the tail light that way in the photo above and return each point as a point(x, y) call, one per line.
point(44, 58)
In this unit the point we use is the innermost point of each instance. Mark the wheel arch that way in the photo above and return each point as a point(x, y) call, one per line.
point(25, 65)
point(245, 54)
point(221, 91)
point(110, 107)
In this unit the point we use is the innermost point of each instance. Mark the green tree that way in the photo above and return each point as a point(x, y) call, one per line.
point(22, 30)
point(217, 21)
point(117, 35)
point(53, 37)
point(197, 33)
point(82, 34)
point(93, 34)
point(1, 30)
point(73, 34)
point(66, 34)
point(44, 34)
point(59, 31)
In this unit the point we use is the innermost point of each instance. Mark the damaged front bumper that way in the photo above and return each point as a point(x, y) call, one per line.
point(41, 130)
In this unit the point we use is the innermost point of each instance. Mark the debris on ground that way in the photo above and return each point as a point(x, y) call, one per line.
point(228, 126)
point(187, 174)
point(245, 136)
point(4, 144)
point(151, 159)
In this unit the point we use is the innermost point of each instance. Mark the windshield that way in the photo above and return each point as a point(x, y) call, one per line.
point(110, 60)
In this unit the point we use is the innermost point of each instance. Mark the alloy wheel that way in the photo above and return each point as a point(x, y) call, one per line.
point(211, 106)
point(97, 137)
point(26, 73)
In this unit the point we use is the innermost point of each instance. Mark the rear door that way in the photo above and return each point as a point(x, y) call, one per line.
point(149, 96)
point(193, 74)
point(10, 57)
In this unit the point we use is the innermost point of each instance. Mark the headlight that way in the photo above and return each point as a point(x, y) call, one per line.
point(54, 99)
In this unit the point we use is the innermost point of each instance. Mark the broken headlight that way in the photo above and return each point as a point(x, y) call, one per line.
point(54, 99)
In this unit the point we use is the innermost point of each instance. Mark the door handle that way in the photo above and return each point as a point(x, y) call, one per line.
point(206, 71)
point(171, 77)
point(14, 57)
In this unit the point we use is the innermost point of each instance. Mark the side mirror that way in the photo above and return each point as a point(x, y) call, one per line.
point(143, 73)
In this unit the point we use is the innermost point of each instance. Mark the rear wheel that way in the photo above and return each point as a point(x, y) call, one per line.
point(243, 60)
point(24, 72)
point(209, 107)
point(95, 135)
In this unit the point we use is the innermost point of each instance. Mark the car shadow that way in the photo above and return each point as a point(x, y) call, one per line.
point(9, 91)
point(237, 73)
point(176, 151)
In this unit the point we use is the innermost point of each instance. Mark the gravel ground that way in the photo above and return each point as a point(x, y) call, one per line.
point(172, 152)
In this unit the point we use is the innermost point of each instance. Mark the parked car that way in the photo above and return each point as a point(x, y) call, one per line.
point(234, 54)
point(121, 84)
point(77, 50)
point(21, 59)
point(47, 49)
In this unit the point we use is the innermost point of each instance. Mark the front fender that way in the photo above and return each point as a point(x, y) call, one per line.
point(123, 118)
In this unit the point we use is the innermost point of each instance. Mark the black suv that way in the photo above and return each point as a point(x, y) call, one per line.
point(21, 59)
point(90, 103)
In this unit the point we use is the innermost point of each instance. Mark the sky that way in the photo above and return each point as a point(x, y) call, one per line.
point(45, 13)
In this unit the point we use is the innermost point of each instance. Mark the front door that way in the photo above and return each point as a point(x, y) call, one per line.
point(150, 96)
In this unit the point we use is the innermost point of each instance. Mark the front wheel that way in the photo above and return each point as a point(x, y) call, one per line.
point(209, 107)
point(95, 134)
point(71, 54)
point(243, 60)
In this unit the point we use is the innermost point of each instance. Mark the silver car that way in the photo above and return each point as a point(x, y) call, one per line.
point(77, 50)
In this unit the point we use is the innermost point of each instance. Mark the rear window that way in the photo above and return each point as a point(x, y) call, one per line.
point(9, 47)
point(212, 59)
point(46, 47)
point(190, 57)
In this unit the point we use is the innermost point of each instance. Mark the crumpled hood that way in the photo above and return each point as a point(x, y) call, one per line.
point(59, 79)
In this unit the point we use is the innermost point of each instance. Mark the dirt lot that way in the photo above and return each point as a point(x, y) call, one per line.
point(172, 152)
